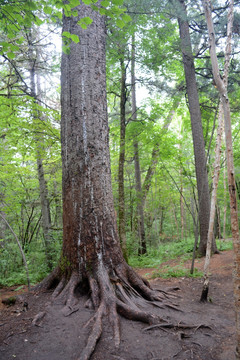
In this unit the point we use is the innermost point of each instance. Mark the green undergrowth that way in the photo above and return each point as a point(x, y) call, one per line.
point(175, 272)
point(165, 251)
point(12, 271)
point(181, 250)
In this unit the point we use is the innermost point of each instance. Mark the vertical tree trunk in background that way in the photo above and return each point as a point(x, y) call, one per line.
point(225, 203)
point(45, 207)
point(138, 184)
point(121, 163)
point(217, 159)
point(220, 83)
point(57, 222)
point(182, 206)
point(197, 131)
point(216, 174)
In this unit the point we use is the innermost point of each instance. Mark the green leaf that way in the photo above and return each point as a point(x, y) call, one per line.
point(87, 2)
point(74, 3)
point(102, 11)
point(59, 4)
point(47, 10)
point(75, 38)
point(11, 55)
point(19, 288)
point(75, 13)
point(38, 21)
point(117, 2)
point(83, 26)
point(126, 18)
point(94, 7)
point(84, 22)
point(59, 15)
point(67, 10)
point(20, 40)
point(66, 34)
point(120, 23)
point(105, 3)
point(87, 20)
point(13, 47)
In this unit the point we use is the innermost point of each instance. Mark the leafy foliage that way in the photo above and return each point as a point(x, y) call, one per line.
point(30, 34)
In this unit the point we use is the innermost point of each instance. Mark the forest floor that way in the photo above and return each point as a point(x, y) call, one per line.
point(210, 336)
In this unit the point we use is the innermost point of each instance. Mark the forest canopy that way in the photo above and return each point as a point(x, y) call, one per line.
point(151, 147)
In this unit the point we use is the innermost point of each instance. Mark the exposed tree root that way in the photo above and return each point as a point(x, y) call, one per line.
point(38, 318)
point(112, 293)
point(95, 334)
point(176, 326)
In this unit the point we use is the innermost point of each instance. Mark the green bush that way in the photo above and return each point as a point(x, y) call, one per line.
point(165, 251)
point(12, 270)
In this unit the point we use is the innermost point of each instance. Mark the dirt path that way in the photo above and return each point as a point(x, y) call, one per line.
point(62, 338)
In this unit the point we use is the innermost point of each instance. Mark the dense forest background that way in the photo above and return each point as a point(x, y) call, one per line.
point(151, 143)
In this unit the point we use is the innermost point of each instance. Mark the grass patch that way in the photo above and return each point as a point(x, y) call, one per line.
point(176, 271)
point(181, 250)
point(223, 245)
point(165, 252)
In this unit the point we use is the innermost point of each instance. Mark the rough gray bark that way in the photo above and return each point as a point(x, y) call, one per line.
point(197, 131)
point(230, 166)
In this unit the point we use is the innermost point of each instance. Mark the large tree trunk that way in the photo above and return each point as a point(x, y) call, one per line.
point(197, 131)
point(91, 256)
point(230, 166)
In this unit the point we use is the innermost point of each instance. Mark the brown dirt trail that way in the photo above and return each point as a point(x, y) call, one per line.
point(198, 331)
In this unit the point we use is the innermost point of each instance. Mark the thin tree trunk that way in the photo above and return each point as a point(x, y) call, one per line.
point(230, 166)
point(58, 211)
point(121, 193)
point(182, 207)
point(213, 205)
point(138, 184)
point(225, 204)
point(197, 131)
point(45, 208)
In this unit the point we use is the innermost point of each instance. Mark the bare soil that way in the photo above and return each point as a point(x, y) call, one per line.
point(199, 331)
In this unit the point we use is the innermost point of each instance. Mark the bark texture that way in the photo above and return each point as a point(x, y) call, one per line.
point(197, 131)
point(230, 166)
point(217, 157)
point(89, 226)
point(92, 261)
